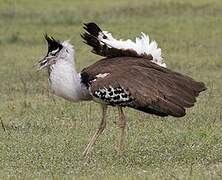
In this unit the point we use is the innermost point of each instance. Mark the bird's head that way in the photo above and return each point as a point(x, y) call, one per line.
point(57, 51)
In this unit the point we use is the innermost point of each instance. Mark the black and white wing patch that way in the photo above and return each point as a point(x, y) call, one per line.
point(114, 95)
point(104, 44)
point(106, 89)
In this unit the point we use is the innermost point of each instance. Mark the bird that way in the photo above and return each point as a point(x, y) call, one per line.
point(130, 74)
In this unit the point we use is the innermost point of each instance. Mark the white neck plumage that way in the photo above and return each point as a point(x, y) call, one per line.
point(64, 79)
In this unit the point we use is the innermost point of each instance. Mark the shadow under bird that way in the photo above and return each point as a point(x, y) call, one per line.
point(132, 74)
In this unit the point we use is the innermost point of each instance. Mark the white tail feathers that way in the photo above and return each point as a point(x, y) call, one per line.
point(142, 46)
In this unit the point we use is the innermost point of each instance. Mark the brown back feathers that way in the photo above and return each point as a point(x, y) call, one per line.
point(142, 85)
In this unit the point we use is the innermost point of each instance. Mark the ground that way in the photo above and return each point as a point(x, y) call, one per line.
point(42, 136)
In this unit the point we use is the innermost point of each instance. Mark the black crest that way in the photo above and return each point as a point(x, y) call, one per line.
point(53, 44)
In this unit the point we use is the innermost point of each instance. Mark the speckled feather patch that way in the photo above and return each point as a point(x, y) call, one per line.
point(114, 96)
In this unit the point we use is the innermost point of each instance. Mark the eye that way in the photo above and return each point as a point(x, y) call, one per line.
point(53, 53)
point(67, 51)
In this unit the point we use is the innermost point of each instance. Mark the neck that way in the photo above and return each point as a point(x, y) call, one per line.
point(66, 82)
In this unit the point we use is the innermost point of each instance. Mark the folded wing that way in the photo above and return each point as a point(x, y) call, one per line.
point(141, 85)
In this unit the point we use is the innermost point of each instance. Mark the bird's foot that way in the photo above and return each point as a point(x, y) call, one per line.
point(119, 148)
point(87, 151)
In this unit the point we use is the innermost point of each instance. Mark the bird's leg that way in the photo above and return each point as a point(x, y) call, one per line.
point(122, 132)
point(98, 132)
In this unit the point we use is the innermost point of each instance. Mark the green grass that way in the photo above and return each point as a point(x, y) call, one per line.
point(44, 136)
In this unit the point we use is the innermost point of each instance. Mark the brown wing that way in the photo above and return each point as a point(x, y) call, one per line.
point(142, 85)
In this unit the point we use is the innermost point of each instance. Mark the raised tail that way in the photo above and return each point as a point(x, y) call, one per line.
point(104, 44)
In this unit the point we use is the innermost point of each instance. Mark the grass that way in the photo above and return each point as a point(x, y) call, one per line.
point(43, 136)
